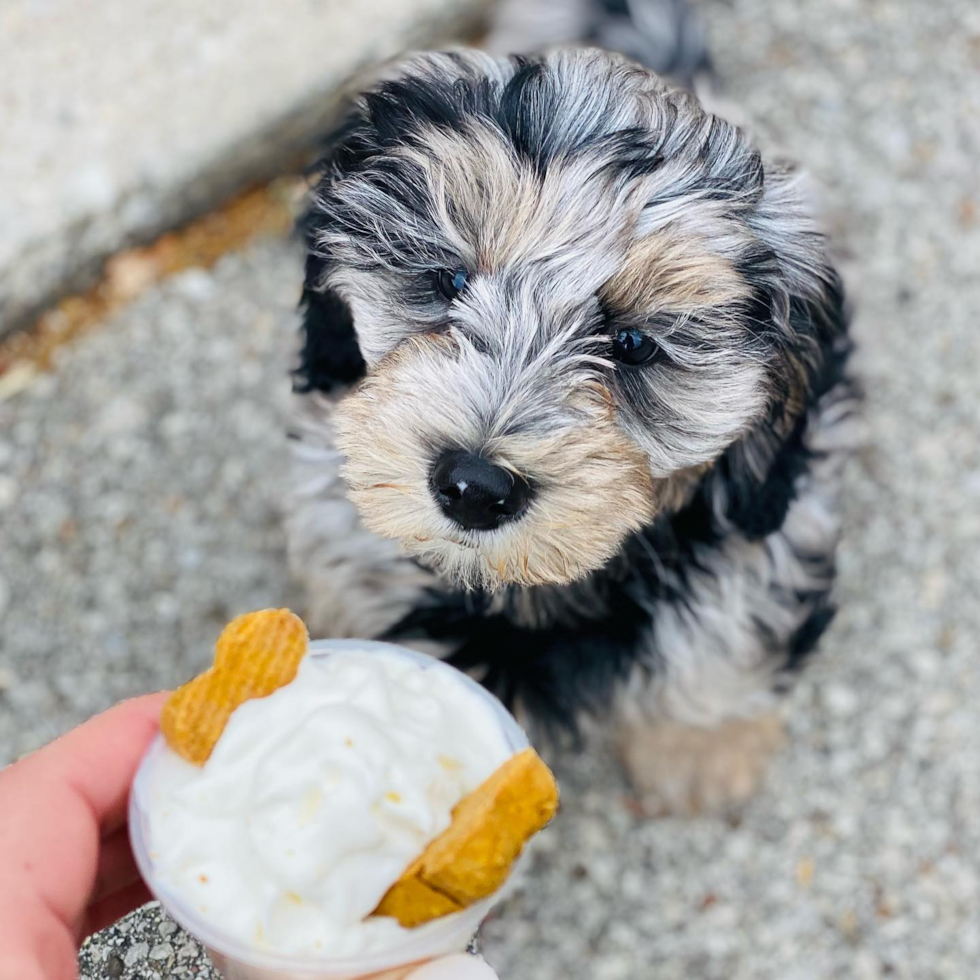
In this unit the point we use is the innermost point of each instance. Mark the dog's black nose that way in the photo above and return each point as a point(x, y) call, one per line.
point(475, 493)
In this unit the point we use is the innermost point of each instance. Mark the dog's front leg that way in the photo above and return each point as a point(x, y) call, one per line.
point(699, 721)
point(685, 769)
point(697, 736)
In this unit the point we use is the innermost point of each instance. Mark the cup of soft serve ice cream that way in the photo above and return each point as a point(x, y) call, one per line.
point(278, 851)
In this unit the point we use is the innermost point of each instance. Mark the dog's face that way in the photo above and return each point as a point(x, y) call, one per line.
point(572, 290)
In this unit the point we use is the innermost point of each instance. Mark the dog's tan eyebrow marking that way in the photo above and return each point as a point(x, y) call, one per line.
point(679, 273)
point(496, 209)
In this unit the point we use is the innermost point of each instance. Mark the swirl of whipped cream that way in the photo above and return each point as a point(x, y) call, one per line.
point(317, 797)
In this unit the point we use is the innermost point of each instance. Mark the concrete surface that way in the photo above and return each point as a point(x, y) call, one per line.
point(99, 150)
point(140, 486)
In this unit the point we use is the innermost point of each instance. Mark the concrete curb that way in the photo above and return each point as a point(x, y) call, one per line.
point(123, 120)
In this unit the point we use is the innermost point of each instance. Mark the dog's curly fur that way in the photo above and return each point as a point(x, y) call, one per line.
point(676, 561)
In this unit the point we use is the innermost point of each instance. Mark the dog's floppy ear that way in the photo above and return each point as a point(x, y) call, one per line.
point(330, 357)
point(380, 109)
point(755, 480)
point(802, 312)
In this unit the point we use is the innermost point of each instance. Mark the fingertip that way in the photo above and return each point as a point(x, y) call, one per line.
point(459, 967)
point(97, 760)
point(145, 705)
point(139, 717)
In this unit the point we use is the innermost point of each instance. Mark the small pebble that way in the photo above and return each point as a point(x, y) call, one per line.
point(161, 951)
point(135, 953)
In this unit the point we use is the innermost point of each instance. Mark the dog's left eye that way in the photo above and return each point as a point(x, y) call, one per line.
point(632, 346)
point(451, 282)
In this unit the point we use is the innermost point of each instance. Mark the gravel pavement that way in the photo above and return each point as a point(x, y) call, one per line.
point(139, 490)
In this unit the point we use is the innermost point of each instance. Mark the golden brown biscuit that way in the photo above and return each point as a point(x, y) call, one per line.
point(256, 654)
point(472, 858)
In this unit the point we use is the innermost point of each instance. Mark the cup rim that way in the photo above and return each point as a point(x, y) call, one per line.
point(463, 923)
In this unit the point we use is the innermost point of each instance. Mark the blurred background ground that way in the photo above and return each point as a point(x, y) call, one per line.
point(140, 482)
point(120, 119)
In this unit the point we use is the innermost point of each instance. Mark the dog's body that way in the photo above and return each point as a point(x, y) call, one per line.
point(570, 404)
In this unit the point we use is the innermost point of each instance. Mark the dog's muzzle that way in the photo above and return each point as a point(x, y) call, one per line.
point(475, 493)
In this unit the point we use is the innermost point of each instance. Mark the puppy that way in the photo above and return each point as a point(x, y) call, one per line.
point(570, 405)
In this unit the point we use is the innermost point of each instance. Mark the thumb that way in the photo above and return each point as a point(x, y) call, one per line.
point(458, 967)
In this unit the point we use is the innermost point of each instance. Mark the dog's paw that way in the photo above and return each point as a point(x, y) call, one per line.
point(682, 770)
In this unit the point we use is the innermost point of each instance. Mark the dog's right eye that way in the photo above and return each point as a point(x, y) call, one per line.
point(633, 347)
point(451, 282)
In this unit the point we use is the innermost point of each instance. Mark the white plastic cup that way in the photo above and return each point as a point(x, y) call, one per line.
point(237, 961)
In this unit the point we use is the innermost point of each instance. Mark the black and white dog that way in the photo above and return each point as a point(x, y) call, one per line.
point(571, 401)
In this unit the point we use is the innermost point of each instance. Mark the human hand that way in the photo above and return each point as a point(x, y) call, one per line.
point(67, 867)
point(64, 848)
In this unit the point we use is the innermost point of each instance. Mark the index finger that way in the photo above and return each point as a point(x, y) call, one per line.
point(99, 759)
point(58, 804)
